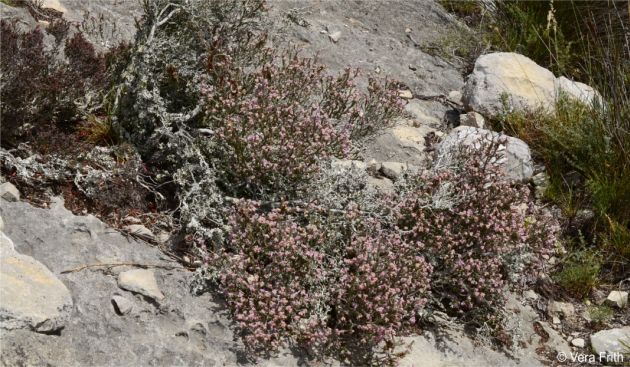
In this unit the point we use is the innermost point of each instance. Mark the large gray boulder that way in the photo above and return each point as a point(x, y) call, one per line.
point(506, 81)
point(513, 155)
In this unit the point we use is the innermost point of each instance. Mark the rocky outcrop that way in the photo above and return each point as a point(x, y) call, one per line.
point(109, 326)
point(31, 296)
point(577, 91)
point(513, 155)
point(504, 82)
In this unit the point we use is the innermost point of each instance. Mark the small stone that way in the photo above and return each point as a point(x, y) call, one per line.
point(413, 68)
point(392, 170)
point(541, 183)
point(530, 294)
point(405, 93)
point(140, 231)
point(122, 305)
point(578, 342)
point(455, 96)
point(561, 308)
point(617, 299)
point(555, 320)
point(9, 192)
point(334, 36)
point(472, 119)
point(611, 342)
point(407, 30)
point(140, 281)
point(1, 224)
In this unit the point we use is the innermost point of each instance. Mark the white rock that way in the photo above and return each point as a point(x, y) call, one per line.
point(556, 320)
point(122, 305)
point(1, 224)
point(508, 80)
point(31, 296)
point(421, 114)
point(140, 231)
point(455, 96)
point(405, 93)
point(609, 342)
point(617, 299)
point(514, 157)
point(334, 36)
point(392, 170)
point(7, 248)
point(578, 342)
point(564, 309)
point(472, 119)
point(9, 192)
point(576, 90)
point(530, 294)
point(140, 281)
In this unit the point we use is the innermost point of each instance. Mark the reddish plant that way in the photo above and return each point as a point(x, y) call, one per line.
point(277, 123)
point(339, 286)
point(477, 230)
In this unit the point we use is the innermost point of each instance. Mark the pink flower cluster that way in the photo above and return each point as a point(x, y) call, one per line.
point(478, 240)
point(279, 121)
point(321, 286)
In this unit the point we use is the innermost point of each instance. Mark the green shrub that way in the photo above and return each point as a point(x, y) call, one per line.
point(579, 273)
point(600, 315)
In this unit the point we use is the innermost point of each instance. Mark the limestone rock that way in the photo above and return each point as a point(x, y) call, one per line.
point(508, 80)
point(530, 294)
point(611, 341)
point(472, 119)
point(122, 305)
point(405, 94)
point(514, 157)
point(563, 309)
point(617, 299)
point(404, 144)
point(392, 170)
point(455, 96)
point(334, 36)
point(576, 90)
point(578, 342)
point(7, 248)
point(31, 296)
point(9, 192)
point(140, 281)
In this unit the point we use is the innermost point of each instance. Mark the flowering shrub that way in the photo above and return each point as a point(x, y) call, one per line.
point(362, 114)
point(278, 123)
point(273, 278)
point(273, 134)
point(382, 287)
point(477, 230)
point(342, 286)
